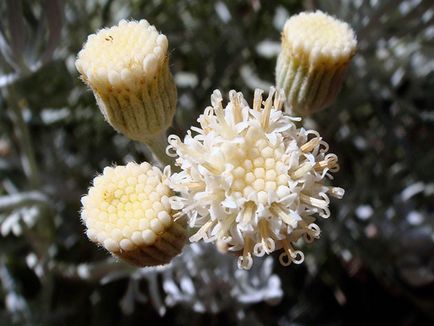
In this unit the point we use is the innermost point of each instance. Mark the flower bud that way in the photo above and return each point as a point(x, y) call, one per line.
point(127, 211)
point(316, 51)
point(127, 68)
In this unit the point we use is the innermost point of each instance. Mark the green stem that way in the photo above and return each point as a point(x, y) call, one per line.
point(158, 145)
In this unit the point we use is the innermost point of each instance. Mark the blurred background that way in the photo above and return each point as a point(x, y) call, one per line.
point(374, 262)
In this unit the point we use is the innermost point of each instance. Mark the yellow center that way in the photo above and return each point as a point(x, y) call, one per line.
point(120, 47)
point(127, 203)
point(329, 37)
point(258, 167)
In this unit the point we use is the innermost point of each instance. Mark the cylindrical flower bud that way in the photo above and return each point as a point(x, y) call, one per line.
point(127, 68)
point(127, 211)
point(316, 51)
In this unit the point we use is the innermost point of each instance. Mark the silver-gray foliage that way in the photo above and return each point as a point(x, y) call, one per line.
point(374, 256)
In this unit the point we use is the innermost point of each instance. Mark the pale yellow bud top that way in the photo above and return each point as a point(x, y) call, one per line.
point(316, 51)
point(127, 68)
point(127, 211)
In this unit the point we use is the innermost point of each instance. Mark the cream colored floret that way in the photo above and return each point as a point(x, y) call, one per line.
point(250, 180)
point(319, 37)
point(127, 68)
point(316, 51)
point(122, 54)
point(127, 207)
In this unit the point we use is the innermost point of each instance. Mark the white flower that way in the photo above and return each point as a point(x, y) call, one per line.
point(251, 180)
point(319, 37)
point(127, 211)
point(127, 68)
point(316, 51)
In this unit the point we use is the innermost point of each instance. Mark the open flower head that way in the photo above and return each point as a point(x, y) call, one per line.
point(127, 211)
point(250, 180)
point(127, 68)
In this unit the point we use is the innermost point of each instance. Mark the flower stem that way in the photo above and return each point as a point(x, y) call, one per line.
point(158, 145)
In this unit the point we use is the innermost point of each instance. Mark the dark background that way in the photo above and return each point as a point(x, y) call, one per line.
point(374, 262)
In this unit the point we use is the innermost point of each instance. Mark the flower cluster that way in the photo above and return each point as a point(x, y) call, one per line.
point(251, 180)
